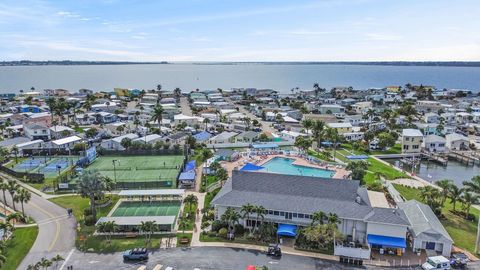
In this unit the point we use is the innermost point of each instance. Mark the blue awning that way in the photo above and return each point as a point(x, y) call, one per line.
point(358, 157)
point(251, 167)
point(386, 241)
point(264, 145)
point(190, 166)
point(287, 230)
point(187, 176)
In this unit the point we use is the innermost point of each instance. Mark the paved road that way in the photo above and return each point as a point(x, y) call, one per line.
point(203, 258)
point(185, 106)
point(265, 125)
point(56, 230)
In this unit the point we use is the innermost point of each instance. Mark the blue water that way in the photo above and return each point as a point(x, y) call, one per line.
point(285, 166)
point(189, 76)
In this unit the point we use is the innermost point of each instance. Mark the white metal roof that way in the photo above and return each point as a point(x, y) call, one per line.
point(66, 140)
point(20, 145)
point(412, 132)
point(151, 192)
point(125, 221)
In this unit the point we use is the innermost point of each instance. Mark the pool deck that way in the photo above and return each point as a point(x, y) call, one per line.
point(340, 172)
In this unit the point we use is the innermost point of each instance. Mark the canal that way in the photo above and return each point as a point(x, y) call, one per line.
point(432, 172)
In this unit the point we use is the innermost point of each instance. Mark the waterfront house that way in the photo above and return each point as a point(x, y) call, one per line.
point(292, 200)
point(426, 231)
point(411, 140)
point(434, 143)
point(457, 141)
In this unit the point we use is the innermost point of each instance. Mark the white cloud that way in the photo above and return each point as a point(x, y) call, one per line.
point(383, 37)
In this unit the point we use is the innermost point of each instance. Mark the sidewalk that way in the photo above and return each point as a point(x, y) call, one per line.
point(198, 219)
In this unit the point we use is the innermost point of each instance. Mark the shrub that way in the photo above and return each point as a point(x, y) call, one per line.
point(87, 212)
point(89, 220)
point(217, 225)
point(239, 229)
point(223, 232)
point(205, 224)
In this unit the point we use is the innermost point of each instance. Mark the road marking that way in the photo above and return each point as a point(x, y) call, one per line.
point(66, 259)
point(57, 232)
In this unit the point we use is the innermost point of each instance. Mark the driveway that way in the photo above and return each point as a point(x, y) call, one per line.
point(204, 258)
point(185, 106)
point(56, 234)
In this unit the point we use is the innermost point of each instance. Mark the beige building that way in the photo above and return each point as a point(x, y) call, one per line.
point(342, 128)
point(411, 140)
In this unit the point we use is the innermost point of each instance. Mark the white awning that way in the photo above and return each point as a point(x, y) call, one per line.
point(152, 192)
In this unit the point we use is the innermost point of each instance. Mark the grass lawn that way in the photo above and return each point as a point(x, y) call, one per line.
point(319, 155)
point(209, 197)
point(396, 149)
point(98, 244)
point(387, 171)
point(18, 247)
point(210, 179)
point(369, 178)
point(463, 232)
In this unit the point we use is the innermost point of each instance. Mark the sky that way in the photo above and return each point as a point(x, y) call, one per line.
point(243, 30)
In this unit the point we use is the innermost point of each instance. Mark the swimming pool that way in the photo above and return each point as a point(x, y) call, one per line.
point(285, 166)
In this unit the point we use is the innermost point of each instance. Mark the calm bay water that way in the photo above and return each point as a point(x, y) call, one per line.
point(280, 77)
point(431, 171)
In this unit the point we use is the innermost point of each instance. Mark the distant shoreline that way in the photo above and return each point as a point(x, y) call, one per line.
point(364, 63)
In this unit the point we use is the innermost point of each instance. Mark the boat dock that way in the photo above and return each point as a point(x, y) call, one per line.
point(464, 158)
point(435, 157)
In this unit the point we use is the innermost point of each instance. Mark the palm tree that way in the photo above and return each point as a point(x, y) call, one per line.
point(468, 199)
point(190, 199)
point(333, 219)
point(51, 103)
point(45, 263)
point(230, 216)
point(57, 259)
point(473, 185)
point(92, 185)
point(247, 210)
point(183, 223)
point(108, 228)
point(307, 124)
point(445, 185)
point(454, 193)
point(318, 132)
point(148, 228)
point(4, 188)
point(6, 227)
point(13, 187)
point(177, 92)
point(3, 259)
point(23, 196)
point(158, 116)
point(206, 121)
point(318, 217)
point(260, 212)
point(15, 151)
point(334, 137)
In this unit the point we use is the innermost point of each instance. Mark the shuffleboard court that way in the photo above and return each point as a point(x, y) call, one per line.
point(153, 208)
point(139, 168)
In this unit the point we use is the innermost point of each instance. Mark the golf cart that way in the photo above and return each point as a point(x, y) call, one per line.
point(274, 250)
point(459, 260)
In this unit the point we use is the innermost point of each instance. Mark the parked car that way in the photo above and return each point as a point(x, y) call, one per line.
point(274, 250)
point(459, 260)
point(136, 254)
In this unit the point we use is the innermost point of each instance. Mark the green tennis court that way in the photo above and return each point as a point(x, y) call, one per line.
point(154, 208)
point(139, 168)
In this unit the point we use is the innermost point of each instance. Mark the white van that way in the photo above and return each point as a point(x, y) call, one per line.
point(436, 262)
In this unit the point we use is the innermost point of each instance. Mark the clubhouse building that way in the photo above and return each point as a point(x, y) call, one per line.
point(291, 201)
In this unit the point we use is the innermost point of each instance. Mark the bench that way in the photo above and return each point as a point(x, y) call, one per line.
point(184, 240)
